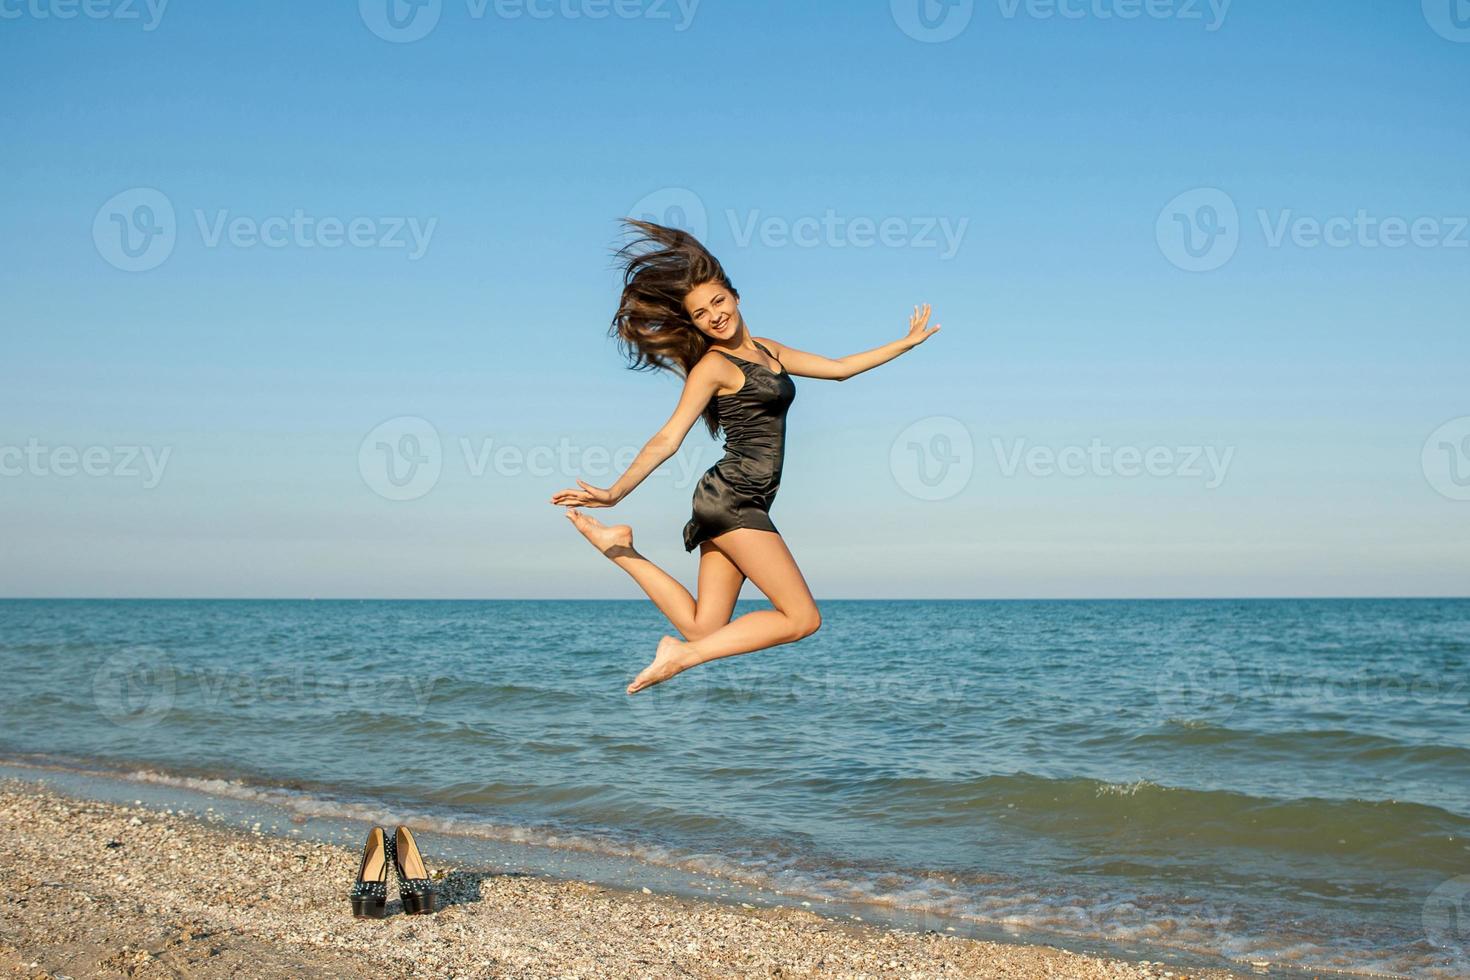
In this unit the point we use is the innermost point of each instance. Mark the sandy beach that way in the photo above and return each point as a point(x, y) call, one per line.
point(98, 889)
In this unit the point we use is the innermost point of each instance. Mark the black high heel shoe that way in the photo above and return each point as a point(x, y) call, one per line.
point(369, 896)
point(414, 886)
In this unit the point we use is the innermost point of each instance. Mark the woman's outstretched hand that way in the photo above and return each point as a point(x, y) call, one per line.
point(919, 329)
point(587, 496)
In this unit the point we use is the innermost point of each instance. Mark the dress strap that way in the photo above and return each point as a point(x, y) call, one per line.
point(766, 352)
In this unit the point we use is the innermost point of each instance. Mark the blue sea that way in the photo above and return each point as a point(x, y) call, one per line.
point(1257, 780)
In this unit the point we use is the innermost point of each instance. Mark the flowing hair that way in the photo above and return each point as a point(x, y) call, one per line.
point(660, 267)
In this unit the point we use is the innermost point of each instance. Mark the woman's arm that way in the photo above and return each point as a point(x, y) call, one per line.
point(699, 388)
point(805, 365)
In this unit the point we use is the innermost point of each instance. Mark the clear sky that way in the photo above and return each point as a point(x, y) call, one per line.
point(255, 252)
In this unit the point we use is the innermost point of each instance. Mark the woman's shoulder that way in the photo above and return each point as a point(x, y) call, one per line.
point(715, 366)
point(712, 360)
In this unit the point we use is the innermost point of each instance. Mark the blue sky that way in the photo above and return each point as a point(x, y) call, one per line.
point(379, 239)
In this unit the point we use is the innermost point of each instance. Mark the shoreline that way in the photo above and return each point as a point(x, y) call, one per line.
point(106, 888)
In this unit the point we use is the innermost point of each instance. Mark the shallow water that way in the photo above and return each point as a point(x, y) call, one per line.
point(1263, 780)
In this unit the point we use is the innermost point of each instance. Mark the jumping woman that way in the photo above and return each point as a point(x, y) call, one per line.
point(681, 313)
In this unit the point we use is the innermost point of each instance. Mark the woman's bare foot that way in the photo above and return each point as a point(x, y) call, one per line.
point(611, 541)
point(669, 660)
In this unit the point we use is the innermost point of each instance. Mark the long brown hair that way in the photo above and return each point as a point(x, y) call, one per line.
point(660, 267)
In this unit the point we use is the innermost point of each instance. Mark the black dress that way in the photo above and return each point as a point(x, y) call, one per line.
point(738, 490)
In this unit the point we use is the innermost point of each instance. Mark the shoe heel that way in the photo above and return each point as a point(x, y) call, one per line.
point(369, 895)
point(369, 908)
point(421, 904)
point(414, 885)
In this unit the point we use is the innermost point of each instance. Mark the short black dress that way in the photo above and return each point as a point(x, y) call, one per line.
point(738, 490)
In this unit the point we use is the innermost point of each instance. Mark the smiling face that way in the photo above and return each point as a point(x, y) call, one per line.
point(714, 309)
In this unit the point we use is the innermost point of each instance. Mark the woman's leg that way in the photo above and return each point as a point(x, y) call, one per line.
point(763, 557)
point(719, 579)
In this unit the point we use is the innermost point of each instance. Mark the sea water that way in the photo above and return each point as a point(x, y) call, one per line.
point(1263, 780)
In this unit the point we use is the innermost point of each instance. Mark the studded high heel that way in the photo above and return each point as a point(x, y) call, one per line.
point(369, 896)
point(414, 886)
